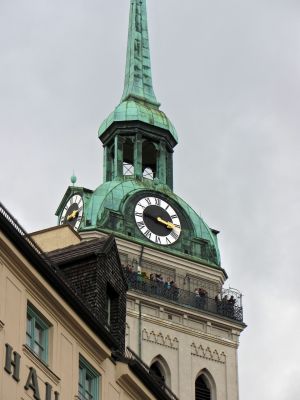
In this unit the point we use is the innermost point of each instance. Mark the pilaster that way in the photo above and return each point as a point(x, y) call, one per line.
point(138, 150)
point(118, 159)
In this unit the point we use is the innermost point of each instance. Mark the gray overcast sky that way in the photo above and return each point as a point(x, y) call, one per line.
point(228, 76)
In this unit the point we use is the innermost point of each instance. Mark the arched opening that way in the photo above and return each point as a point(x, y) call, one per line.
point(156, 370)
point(160, 369)
point(149, 160)
point(128, 154)
point(202, 389)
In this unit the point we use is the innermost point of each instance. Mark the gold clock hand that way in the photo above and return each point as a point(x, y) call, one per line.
point(72, 215)
point(168, 224)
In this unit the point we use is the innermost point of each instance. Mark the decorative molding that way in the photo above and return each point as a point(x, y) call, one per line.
point(208, 354)
point(41, 365)
point(1, 325)
point(160, 339)
point(183, 329)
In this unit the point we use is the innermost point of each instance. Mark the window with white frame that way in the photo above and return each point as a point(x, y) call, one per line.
point(37, 333)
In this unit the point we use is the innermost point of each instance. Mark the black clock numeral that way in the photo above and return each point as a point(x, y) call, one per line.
point(148, 201)
point(168, 241)
point(141, 225)
point(174, 235)
point(141, 205)
point(157, 202)
point(157, 240)
point(137, 214)
point(167, 207)
point(177, 226)
point(148, 234)
point(174, 216)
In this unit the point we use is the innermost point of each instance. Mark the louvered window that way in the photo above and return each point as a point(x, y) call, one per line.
point(202, 391)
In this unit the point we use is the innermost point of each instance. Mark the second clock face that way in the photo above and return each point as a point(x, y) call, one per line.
point(157, 220)
point(72, 213)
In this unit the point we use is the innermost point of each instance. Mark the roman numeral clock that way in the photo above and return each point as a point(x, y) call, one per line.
point(157, 220)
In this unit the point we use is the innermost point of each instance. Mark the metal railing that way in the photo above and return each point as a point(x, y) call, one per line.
point(222, 304)
point(131, 356)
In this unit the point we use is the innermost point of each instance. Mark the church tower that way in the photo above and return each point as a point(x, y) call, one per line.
point(180, 320)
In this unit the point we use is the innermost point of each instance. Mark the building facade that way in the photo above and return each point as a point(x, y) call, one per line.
point(62, 320)
point(180, 319)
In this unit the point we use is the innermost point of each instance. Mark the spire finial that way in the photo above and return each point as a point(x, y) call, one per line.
point(73, 178)
point(138, 79)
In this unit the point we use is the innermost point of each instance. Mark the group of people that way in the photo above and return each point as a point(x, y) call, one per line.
point(225, 305)
point(156, 284)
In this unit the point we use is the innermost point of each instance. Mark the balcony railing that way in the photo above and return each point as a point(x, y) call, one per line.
point(226, 303)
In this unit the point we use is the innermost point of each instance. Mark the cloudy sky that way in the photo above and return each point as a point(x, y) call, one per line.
point(228, 76)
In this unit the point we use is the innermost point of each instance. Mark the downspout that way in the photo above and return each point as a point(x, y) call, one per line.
point(140, 309)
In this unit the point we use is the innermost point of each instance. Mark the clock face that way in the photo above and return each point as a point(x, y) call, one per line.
point(73, 211)
point(157, 220)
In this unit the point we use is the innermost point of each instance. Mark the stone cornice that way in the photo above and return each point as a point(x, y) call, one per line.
point(205, 316)
point(184, 329)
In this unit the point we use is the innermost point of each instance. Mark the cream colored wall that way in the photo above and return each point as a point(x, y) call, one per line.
point(56, 238)
point(69, 337)
point(187, 352)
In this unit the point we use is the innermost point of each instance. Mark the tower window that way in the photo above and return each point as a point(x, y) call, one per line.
point(128, 163)
point(202, 391)
point(157, 371)
point(149, 160)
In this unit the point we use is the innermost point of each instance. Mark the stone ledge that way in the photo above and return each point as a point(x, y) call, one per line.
point(41, 365)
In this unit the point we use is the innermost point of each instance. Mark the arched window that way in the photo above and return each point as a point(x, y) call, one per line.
point(157, 371)
point(160, 369)
point(202, 389)
point(149, 160)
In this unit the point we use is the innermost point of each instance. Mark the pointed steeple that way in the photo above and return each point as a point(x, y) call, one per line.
point(138, 102)
point(138, 79)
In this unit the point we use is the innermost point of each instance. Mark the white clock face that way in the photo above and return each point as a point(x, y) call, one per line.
point(157, 220)
point(73, 211)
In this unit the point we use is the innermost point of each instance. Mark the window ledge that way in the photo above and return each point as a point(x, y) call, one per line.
point(40, 364)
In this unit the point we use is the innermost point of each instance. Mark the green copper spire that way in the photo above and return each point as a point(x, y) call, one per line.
point(138, 102)
point(138, 79)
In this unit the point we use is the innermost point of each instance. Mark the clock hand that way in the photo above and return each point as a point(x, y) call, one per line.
point(72, 215)
point(167, 223)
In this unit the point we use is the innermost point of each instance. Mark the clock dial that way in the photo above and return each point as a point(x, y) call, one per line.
point(73, 211)
point(157, 220)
